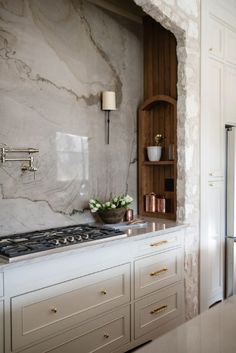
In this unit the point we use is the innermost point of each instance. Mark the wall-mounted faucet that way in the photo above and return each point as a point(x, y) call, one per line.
point(4, 151)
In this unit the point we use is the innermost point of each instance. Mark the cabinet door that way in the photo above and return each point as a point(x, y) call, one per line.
point(215, 38)
point(1, 328)
point(230, 46)
point(213, 122)
point(229, 94)
point(215, 240)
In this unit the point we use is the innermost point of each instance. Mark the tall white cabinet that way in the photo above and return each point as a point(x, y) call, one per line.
point(218, 97)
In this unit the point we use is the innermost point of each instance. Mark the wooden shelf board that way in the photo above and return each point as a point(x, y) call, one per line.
point(167, 215)
point(159, 163)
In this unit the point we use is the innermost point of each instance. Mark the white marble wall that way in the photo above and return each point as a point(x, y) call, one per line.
point(56, 57)
point(182, 17)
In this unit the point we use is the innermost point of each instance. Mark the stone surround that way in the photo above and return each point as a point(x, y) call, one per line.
point(182, 17)
point(54, 63)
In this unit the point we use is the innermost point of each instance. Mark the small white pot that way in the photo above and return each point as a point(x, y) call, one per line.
point(154, 153)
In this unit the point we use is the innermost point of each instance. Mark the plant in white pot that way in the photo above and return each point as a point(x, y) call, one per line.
point(154, 152)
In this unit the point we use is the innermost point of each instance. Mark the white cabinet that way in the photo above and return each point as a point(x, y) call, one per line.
point(125, 303)
point(230, 46)
point(44, 312)
point(229, 110)
point(212, 120)
point(158, 283)
point(1, 328)
point(215, 240)
point(218, 97)
point(215, 43)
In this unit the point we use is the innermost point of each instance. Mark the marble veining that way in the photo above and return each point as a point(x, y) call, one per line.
point(55, 60)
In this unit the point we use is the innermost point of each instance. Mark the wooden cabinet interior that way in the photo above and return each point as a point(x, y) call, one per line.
point(158, 115)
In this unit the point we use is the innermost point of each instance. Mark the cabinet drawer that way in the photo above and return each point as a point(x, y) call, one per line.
point(157, 271)
point(157, 309)
point(159, 243)
point(1, 285)
point(104, 334)
point(46, 311)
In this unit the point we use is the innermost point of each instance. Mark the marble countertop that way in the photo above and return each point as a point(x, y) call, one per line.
point(152, 227)
point(212, 331)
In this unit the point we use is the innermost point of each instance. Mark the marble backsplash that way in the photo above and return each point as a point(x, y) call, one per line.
point(56, 57)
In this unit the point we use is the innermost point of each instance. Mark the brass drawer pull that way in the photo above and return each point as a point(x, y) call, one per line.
point(159, 310)
point(156, 273)
point(158, 243)
point(106, 335)
point(54, 310)
point(104, 291)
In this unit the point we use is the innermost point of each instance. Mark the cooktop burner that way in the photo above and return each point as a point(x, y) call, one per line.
point(19, 246)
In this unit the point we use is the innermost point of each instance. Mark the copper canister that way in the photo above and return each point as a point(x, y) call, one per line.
point(129, 215)
point(150, 202)
point(160, 204)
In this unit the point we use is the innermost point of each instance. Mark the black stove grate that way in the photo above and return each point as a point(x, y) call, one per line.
point(18, 245)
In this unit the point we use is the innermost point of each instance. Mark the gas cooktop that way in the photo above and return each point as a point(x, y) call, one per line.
point(27, 245)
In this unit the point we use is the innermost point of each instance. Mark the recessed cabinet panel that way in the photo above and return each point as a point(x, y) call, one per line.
point(155, 272)
point(155, 310)
point(215, 38)
point(46, 311)
point(230, 46)
point(215, 240)
point(213, 120)
point(230, 94)
point(1, 328)
point(1, 285)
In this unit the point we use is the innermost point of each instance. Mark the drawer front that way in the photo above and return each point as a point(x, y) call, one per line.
point(157, 309)
point(104, 334)
point(44, 312)
point(159, 243)
point(1, 285)
point(155, 272)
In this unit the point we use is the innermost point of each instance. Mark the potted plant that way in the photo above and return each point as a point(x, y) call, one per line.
point(113, 210)
point(154, 152)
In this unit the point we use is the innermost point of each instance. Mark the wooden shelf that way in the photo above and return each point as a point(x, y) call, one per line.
point(168, 215)
point(159, 163)
point(158, 115)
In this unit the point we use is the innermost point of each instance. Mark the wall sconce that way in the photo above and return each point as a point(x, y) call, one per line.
point(108, 104)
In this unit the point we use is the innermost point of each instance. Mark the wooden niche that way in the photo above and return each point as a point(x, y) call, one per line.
point(157, 115)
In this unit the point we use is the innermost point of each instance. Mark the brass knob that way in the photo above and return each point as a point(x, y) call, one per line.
point(104, 291)
point(54, 310)
point(106, 335)
point(210, 49)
